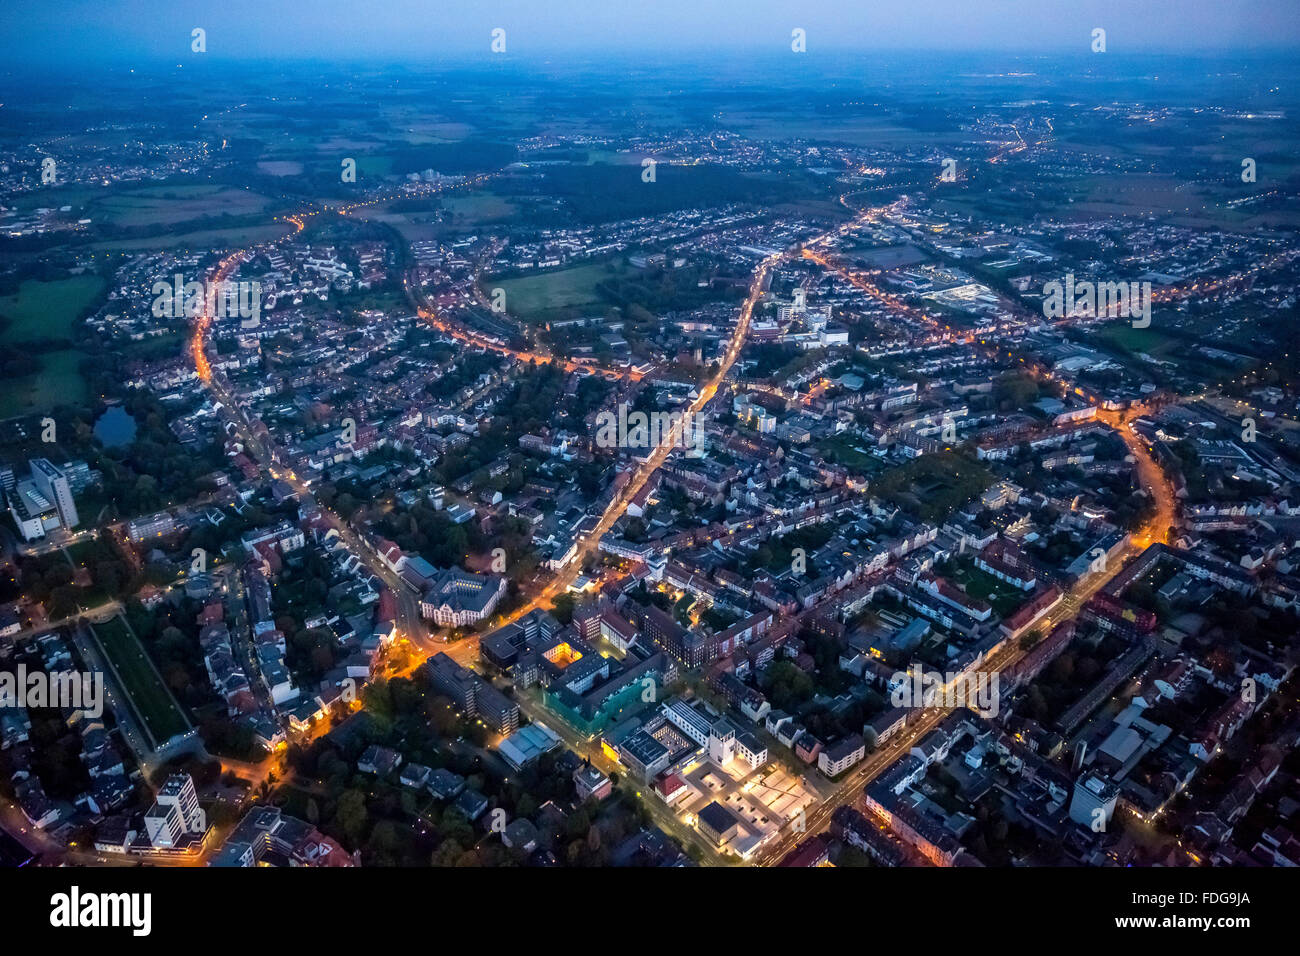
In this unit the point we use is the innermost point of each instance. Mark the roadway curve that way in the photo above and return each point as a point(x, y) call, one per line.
point(1150, 474)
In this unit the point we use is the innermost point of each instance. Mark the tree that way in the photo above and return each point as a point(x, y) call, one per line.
point(1028, 641)
point(351, 815)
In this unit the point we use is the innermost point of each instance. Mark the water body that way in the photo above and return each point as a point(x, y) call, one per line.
point(115, 427)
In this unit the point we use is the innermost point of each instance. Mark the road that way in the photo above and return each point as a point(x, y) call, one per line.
point(96, 615)
point(538, 355)
point(1156, 528)
point(1150, 475)
point(267, 455)
point(590, 542)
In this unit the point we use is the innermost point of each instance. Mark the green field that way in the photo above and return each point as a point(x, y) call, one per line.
point(552, 290)
point(44, 310)
point(204, 240)
point(934, 485)
point(1136, 340)
point(59, 382)
point(169, 205)
point(140, 681)
point(41, 311)
point(846, 451)
point(374, 165)
point(485, 207)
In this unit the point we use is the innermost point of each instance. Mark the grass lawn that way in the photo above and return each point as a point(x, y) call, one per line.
point(846, 451)
point(1135, 340)
point(1004, 598)
point(82, 551)
point(373, 165)
point(204, 240)
point(485, 207)
point(46, 310)
point(140, 681)
point(933, 486)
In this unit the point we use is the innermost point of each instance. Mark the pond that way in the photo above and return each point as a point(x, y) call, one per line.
point(115, 427)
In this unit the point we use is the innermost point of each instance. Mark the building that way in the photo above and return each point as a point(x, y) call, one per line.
point(718, 823)
point(53, 484)
point(692, 648)
point(175, 820)
point(644, 756)
point(34, 515)
point(266, 837)
point(851, 827)
point(458, 598)
point(497, 710)
point(722, 742)
point(591, 783)
point(286, 536)
point(151, 526)
point(527, 744)
point(815, 851)
point(1094, 801)
point(452, 680)
point(841, 755)
point(1032, 611)
point(751, 750)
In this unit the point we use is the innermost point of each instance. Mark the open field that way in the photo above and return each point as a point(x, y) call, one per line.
point(934, 485)
point(1005, 598)
point(280, 167)
point(849, 452)
point(484, 207)
point(203, 240)
point(55, 196)
point(169, 205)
point(1123, 334)
point(150, 698)
point(44, 310)
point(575, 286)
point(58, 382)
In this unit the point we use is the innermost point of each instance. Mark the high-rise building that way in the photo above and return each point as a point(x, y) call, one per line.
point(175, 813)
point(33, 514)
point(53, 484)
point(1094, 801)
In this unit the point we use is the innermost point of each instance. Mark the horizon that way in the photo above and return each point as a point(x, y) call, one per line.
point(144, 32)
